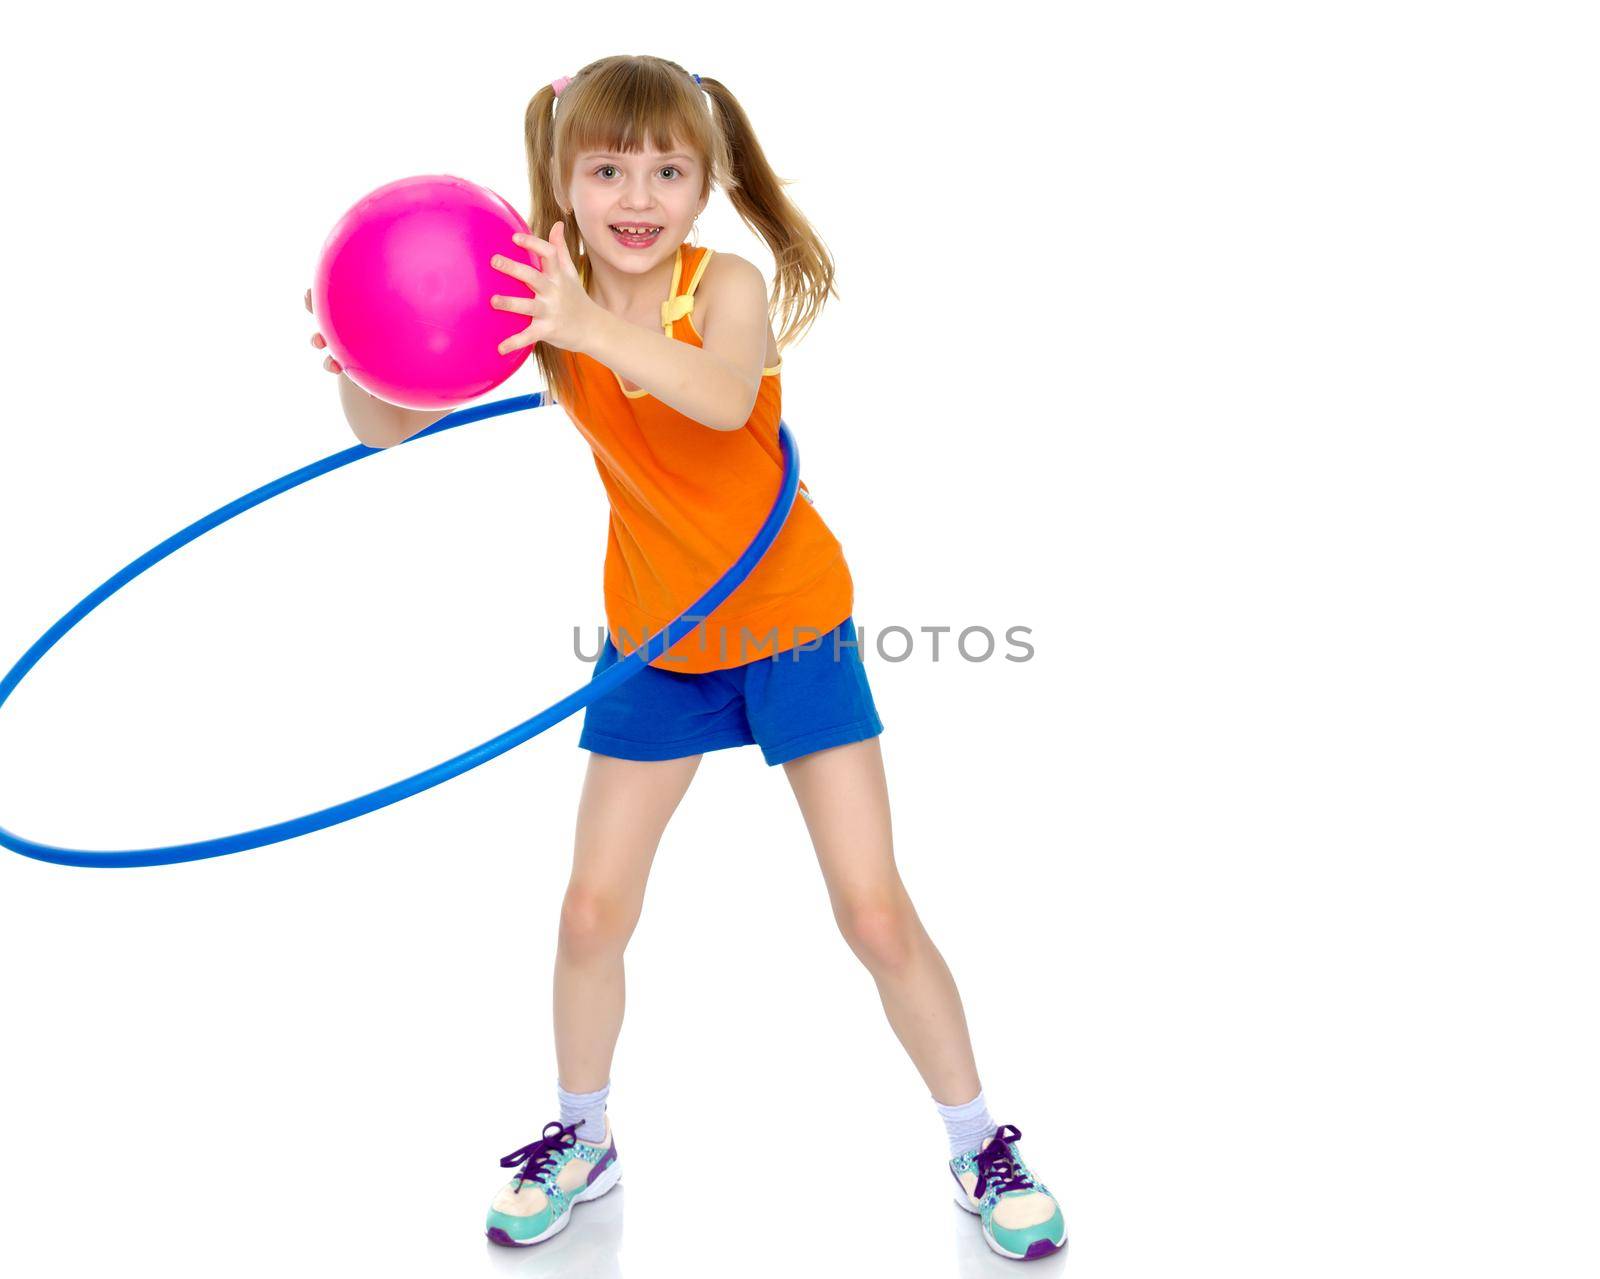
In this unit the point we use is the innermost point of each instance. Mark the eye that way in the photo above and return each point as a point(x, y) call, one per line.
point(666, 168)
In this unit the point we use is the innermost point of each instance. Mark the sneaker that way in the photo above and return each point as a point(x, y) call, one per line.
point(1021, 1218)
point(557, 1171)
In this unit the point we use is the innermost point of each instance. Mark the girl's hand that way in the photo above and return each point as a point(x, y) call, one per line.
point(562, 314)
point(329, 363)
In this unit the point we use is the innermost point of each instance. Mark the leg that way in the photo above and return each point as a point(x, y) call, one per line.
point(621, 816)
point(844, 798)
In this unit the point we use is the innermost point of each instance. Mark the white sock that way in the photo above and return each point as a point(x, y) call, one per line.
point(590, 1107)
point(967, 1124)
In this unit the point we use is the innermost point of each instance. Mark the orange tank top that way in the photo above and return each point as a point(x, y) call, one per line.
point(687, 499)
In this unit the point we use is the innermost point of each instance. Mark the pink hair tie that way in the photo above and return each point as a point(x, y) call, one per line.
point(560, 83)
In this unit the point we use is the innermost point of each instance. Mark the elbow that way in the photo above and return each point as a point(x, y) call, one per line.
point(376, 434)
point(409, 423)
point(745, 407)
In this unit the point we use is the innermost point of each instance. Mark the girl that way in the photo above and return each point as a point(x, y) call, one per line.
point(662, 354)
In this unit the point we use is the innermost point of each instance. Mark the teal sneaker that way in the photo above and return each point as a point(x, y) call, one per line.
point(557, 1171)
point(1021, 1218)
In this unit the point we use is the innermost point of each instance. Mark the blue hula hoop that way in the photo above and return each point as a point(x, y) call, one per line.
point(597, 687)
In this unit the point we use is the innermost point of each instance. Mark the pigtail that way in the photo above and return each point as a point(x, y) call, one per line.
point(804, 268)
point(544, 212)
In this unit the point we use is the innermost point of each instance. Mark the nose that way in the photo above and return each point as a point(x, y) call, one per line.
point(636, 195)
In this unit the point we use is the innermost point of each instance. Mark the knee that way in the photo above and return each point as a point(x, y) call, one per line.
point(881, 928)
point(596, 921)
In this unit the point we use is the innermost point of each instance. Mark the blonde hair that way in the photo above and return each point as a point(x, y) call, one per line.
point(626, 102)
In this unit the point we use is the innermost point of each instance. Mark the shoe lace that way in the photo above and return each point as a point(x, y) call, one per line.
point(1000, 1167)
point(541, 1156)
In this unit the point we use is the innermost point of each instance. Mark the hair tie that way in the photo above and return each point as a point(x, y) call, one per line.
point(697, 79)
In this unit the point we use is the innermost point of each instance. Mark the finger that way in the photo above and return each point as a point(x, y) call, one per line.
point(530, 241)
point(558, 238)
point(526, 338)
point(521, 270)
point(308, 299)
point(558, 234)
point(317, 341)
point(332, 365)
point(522, 306)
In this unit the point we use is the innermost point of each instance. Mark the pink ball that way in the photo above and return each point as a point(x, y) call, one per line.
point(402, 291)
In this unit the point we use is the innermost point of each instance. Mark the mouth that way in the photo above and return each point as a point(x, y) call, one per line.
point(636, 235)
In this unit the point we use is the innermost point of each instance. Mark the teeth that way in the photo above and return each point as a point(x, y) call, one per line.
point(634, 230)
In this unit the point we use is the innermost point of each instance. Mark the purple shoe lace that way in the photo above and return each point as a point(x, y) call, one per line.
point(541, 1155)
point(998, 1165)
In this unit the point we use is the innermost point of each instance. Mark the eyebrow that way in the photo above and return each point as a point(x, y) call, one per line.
point(614, 155)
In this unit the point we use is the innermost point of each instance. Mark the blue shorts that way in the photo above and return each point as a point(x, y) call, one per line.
point(792, 703)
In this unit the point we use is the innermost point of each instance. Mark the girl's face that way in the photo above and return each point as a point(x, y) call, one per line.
point(642, 189)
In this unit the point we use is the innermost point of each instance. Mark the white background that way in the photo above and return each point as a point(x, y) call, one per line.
point(1244, 352)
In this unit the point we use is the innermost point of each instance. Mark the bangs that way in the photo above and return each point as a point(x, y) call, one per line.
point(633, 110)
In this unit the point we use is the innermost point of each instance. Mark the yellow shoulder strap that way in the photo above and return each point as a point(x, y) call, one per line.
point(681, 304)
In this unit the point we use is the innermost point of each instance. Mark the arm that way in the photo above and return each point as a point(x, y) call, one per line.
point(717, 384)
point(377, 423)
